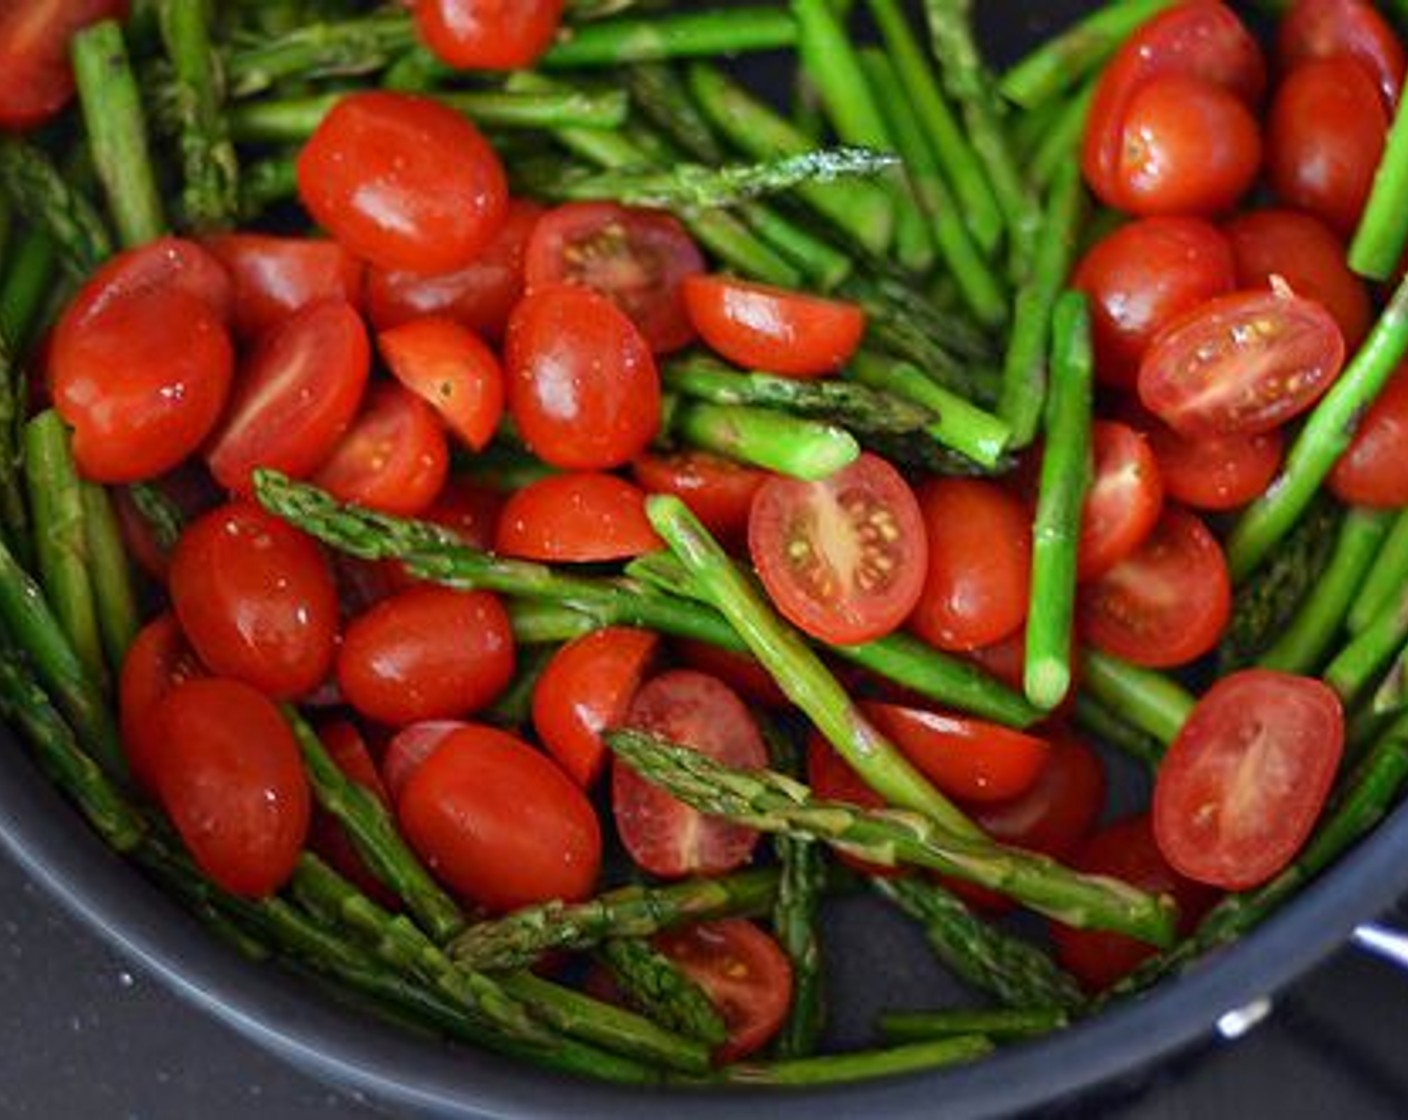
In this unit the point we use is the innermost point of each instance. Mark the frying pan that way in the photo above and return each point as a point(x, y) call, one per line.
point(875, 959)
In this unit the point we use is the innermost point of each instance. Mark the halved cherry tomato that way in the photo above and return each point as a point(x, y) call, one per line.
point(451, 369)
point(582, 384)
point(231, 778)
point(740, 671)
point(295, 396)
point(579, 516)
point(773, 329)
point(843, 558)
point(498, 823)
point(639, 258)
point(159, 659)
point(326, 835)
point(1059, 808)
point(977, 588)
point(487, 34)
point(166, 264)
point(403, 182)
point(394, 458)
point(587, 688)
point(832, 779)
point(1309, 257)
point(1143, 276)
point(256, 600)
point(1124, 502)
point(1166, 604)
point(1245, 781)
point(744, 973)
point(276, 276)
point(718, 491)
point(1216, 473)
point(1242, 364)
point(1315, 29)
point(664, 836)
point(411, 746)
point(426, 653)
point(36, 79)
point(1374, 471)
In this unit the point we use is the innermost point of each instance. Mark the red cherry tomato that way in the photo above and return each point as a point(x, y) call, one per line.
point(480, 296)
point(499, 823)
point(426, 653)
point(295, 396)
point(1058, 810)
point(1309, 257)
point(231, 778)
point(1324, 138)
point(639, 258)
point(1143, 276)
point(276, 276)
point(469, 510)
point(743, 972)
point(773, 329)
point(579, 516)
point(36, 79)
point(1219, 472)
point(582, 385)
point(740, 671)
point(1245, 781)
point(1315, 29)
point(403, 182)
point(164, 265)
point(1242, 364)
point(452, 370)
point(665, 836)
point(977, 588)
point(1374, 471)
point(1166, 604)
point(326, 836)
point(256, 600)
point(718, 491)
point(411, 746)
point(587, 688)
point(159, 659)
point(843, 558)
point(487, 34)
point(394, 458)
point(1124, 502)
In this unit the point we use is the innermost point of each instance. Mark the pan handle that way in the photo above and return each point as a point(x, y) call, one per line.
point(1384, 942)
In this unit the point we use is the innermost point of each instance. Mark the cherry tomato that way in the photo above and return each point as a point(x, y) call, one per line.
point(487, 34)
point(1374, 471)
point(1309, 257)
point(36, 79)
point(579, 516)
point(295, 396)
point(394, 458)
point(761, 327)
point(1124, 502)
point(276, 276)
point(326, 836)
point(403, 182)
point(718, 491)
point(1315, 29)
point(744, 973)
point(1143, 276)
point(1166, 604)
point(1058, 810)
point(1245, 781)
point(740, 671)
point(231, 778)
point(1324, 138)
point(500, 824)
point(587, 688)
point(452, 370)
point(480, 296)
point(158, 660)
point(426, 653)
point(1006, 659)
point(1126, 851)
point(468, 509)
point(1241, 364)
point(977, 588)
point(256, 600)
point(639, 258)
point(166, 264)
point(190, 489)
point(665, 836)
point(1219, 472)
point(582, 385)
point(843, 558)
point(411, 746)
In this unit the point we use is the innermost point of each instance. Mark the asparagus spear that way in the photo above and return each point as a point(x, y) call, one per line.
point(162, 515)
point(1061, 143)
point(27, 282)
point(658, 988)
point(1356, 666)
point(1391, 697)
point(703, 34)
point(775, 441)
point(864, 1065)
point(265, 182)
point(1005, 1024)
point(660, 94)
point(110, 575)
point(1383, 227)
point(320, 50)
point(14, 514)
point(1155, 704)
point(1111, 729)
point(38, 190)
point(1384, 580)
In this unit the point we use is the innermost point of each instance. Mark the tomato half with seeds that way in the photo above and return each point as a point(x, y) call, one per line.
point(1374, 471)
point(843, 558)
point(1217, 473)
point(450, 368)
point(274, 277)
point(579, 516)
point(1242, 364)
point(1167, 603)
point(1125, 500)
point(1246, 779)
point(1316, 29)
point(158, 660)
point(36, 77)
point(487, 34)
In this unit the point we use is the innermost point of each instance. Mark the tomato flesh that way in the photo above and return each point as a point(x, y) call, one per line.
point(1125, 500)
point(578, 517)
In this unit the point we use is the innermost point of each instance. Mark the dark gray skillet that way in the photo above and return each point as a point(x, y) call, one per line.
point(876, 961)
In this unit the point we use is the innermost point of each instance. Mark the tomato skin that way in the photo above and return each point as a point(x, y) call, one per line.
point(1218, 473)
point(1244, 783)
point(1316, 29)
point(500, 824)
point(1165, 605)
point(1058, 810)
point(294, 398)
point(1125, 500)
point(582, 384)
point(410, 747)
point(403, 182)
point(978, 583)
point(36, 78)
point(274, 277)
point(662, 835)
point(230, 776)
point(587, 688)
point(638, 258)
point(487, 34)
point(158, 660)
point(576, 517)
point(469, 510)
point(256, 600)
point(426, 653)
point(452, 370)
point(718, 491)
point(166, 264)
point(1374, 471)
